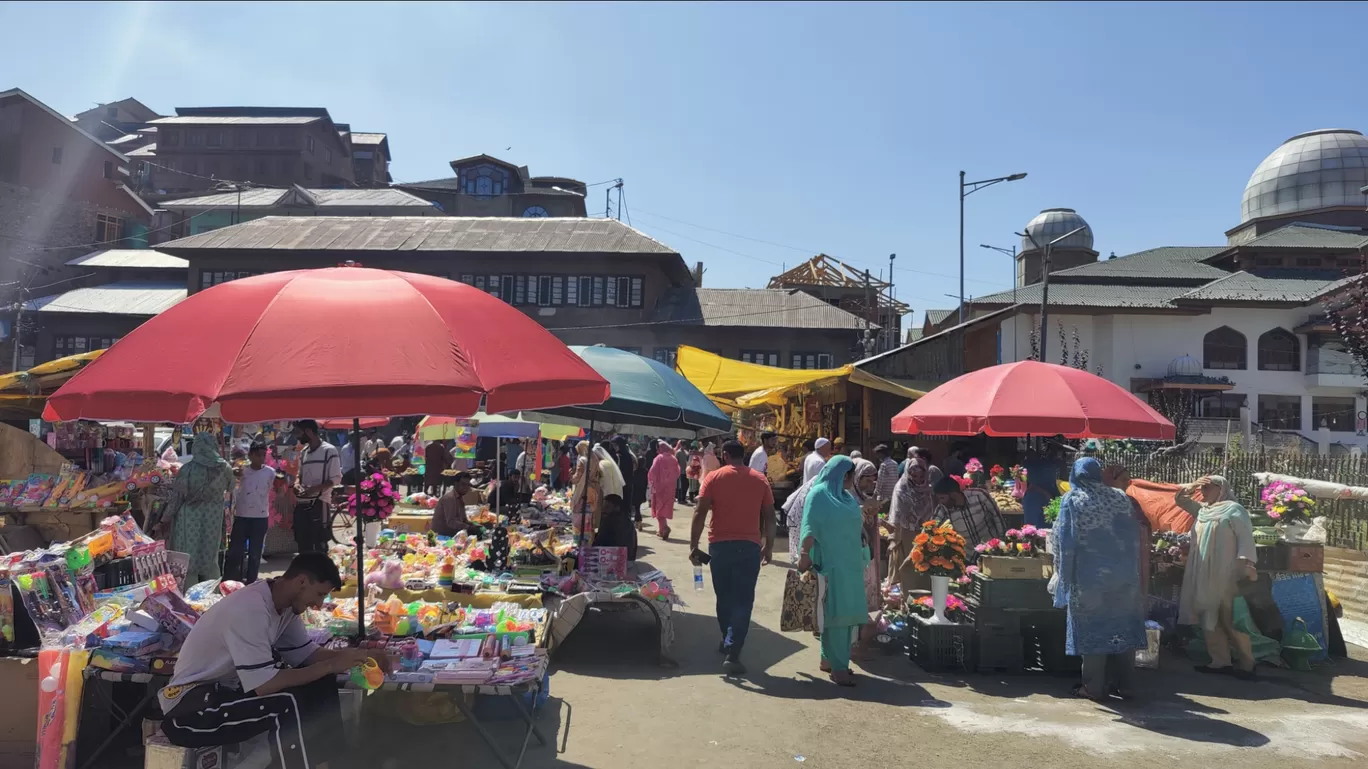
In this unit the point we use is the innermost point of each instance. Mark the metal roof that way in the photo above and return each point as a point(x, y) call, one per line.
point(367, 138)
point(125, 297)
point(1089, 295)
point(753, 308)
point(938, 335)
point(235, 120)
point(453, 184)
point(147, 258)
point(22, 94)
point(1308, 236)
point(1166, 262)
point(1290, 286)
point(145, 151)
point(475, 234)
point(124, 139)
point(936, 316)
point(271, 197)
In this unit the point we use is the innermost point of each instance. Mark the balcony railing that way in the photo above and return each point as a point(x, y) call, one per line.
point(1323, 360)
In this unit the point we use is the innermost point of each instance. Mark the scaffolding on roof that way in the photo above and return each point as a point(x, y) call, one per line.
point(826, 271)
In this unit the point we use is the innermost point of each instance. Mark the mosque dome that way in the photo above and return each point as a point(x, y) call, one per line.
point(1310, 171)
point(1185, 366)
point(1053, 222)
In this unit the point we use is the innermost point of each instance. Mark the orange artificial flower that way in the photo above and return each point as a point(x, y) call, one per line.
point(918, 556)
point(923, 567)
point(938, 540)
point(921, 539)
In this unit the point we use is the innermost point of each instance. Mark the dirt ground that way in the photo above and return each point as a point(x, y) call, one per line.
point(612, 706)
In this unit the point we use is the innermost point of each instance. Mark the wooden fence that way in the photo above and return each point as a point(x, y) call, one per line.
point(1348, 519)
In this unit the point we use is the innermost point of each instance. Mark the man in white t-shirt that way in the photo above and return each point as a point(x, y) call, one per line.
point(814, 462)
point(251, 517)
point(248, 668)
point(759, 459)
point(320, 469)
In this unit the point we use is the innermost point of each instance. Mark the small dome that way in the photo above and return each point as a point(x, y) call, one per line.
point(1310, 171)
point(1185, 365)
point(1053, 222)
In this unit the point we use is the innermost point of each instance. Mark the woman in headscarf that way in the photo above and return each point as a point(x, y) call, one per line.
point(913, 504)
point(833, 544)
point(1097, 558)
point(196, 513)
point(682, 457)
point(1222, 554)
point(864, 479)
point(793, 518)
point(663, 478)
point(585, 480)
point(709, 460)
point(610, 480)
point(694, 471)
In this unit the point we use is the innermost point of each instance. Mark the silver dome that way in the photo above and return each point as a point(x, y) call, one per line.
point(1317, 169)
point(1184, 366)
point(1053, 222)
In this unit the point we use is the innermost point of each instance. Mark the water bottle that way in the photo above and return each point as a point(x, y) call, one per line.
point(698, 578)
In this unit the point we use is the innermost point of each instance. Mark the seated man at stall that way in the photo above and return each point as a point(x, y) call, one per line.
point(449, 517)
point(249, 668)
point(971, 511)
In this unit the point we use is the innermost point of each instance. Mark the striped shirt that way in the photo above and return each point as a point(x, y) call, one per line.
point(887, 480)
point(977, 521)
point(319, 466)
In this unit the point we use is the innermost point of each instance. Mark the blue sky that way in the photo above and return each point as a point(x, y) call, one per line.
point(837, 128)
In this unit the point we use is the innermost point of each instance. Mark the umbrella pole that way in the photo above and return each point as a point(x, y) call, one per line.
point(360, 537)
point(584, 511)
point(498, 475)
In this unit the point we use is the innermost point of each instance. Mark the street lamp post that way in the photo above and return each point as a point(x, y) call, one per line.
point(965, 190)
point(1012, 252)
point(1045, 279)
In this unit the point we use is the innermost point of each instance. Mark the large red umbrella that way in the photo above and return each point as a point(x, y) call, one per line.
point(1032, 398)
point(340, 342)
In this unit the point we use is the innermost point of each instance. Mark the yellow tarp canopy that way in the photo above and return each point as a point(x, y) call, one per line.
point(59, 366)
point(738, 384)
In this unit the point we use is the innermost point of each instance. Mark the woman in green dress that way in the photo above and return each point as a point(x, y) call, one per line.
point(196, 513)
point(833, 544)
point(1222, 555)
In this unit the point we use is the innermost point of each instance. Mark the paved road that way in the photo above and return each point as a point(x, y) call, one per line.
point(611, 707)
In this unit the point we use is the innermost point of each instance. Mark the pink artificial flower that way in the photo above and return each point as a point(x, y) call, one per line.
point(367, 485)
point(1013, 533)
point(993, 543)
point(980, 547)
point(1024, 547)
point(1029, 531)
point(377, 476)
point(971, 570)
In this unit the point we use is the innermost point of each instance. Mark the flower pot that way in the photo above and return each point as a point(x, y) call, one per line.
point(940, 588)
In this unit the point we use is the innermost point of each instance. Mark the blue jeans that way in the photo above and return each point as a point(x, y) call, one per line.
point(735, 568)
point(245, 542)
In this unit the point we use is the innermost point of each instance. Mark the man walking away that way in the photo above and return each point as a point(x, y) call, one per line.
point(888, 473)
point(759, 459)
point(250, 517)
point(814, 462)
point(320, 469)
point(740, 539)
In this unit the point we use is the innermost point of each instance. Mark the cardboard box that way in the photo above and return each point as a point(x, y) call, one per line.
point(1007, 567)
point(1306, 558)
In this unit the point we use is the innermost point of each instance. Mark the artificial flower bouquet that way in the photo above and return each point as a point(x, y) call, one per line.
point(973, 470)
point(376, 497)
point(924, 606)
point(1286, 502)
point(938, 550)
point(1025, 542)
point(997, 477)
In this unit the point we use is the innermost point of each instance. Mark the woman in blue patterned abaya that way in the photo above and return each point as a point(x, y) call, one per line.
point(1097, 560)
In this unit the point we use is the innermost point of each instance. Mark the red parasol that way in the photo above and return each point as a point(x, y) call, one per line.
point(347, 424)
point(1032, 398)
point(341, 342)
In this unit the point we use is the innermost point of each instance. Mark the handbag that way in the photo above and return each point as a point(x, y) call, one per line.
point(799, 610)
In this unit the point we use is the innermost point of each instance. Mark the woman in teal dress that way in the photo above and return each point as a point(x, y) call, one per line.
point(196, 513)
point(833, 545)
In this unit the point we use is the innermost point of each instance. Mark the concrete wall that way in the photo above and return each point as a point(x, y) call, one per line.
point(46, 227)
point(1346, 575)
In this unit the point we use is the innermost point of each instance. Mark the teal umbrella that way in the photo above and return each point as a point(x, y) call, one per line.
point(647, 396)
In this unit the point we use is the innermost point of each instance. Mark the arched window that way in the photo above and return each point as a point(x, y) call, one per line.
point(535, 212)
point(1279, 350)
point(1225, 348)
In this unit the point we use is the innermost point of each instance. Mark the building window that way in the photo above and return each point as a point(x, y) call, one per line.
point(327, 156)
point(169, 138)
point(1268, 261)
point(545, 290)
point(558, 290)
point(1279, 350)
point(599, 287)
point(811, 360)
point(57, 156)
point(107, 229)
point(1220, 406)
point(1308, 261)
point(109, 169)
point(762, 357)
point(666, 355)
point(309, 144)
point(572, 293)
point(638, 285)
point(1224, 348)
point(194, 138)
point(215, 138)
point(28, 357)
point(1335, 413)
point(242, 137)
point(211, 278)
point(586, 291)
point(485, 181)
point(535, 212)
point(1280, 412)
point(308, 171)
point(63, 346)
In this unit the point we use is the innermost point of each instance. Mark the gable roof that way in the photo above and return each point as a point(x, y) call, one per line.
point(1088, 295)
point(20, 93)
point(752, 308)
point(939, 334)
point(140, 110)
point(148, 258)
point(1271, 286)
point(934, 317)
point(271, 197)
point(483, 234)
point(125, 297)
point(235, 120)
point(457, 163)
point(1163, 263)
point(1301, 235)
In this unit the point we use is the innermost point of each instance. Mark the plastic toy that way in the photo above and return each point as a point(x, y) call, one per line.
point(368, 676)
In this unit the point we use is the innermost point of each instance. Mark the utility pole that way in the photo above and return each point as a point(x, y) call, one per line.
point(608, 200)
point(891, 331)
point(868, 333)
point(1045, 277)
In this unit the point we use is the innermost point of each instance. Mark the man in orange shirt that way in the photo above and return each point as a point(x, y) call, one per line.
point(740, 539)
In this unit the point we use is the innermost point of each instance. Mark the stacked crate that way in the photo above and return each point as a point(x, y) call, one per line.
point(999, 610)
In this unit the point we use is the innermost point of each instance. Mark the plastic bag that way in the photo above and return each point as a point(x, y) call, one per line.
point(1149, 656)
point(1301, 532)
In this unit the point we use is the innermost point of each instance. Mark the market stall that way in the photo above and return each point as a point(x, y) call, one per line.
point(228, 340)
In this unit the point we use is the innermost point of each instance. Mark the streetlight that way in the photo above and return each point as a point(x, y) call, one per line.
point(965, 190)
point(1012, 253)
point(1045, 281)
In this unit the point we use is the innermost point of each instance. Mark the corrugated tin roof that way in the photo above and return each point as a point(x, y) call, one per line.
point(936, 316)
point(425, 233)
point(1089, 295)
point(1166, 262)
point(126, 138)
point(148, 258)
point(147, 150)
point(753, 308)
point(125, 297)
point(367, 138)
point(1293, 286)
point(269, 197)
point(1308, 236)
point(234, 120)
point(380, 196)
point(253, 198)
